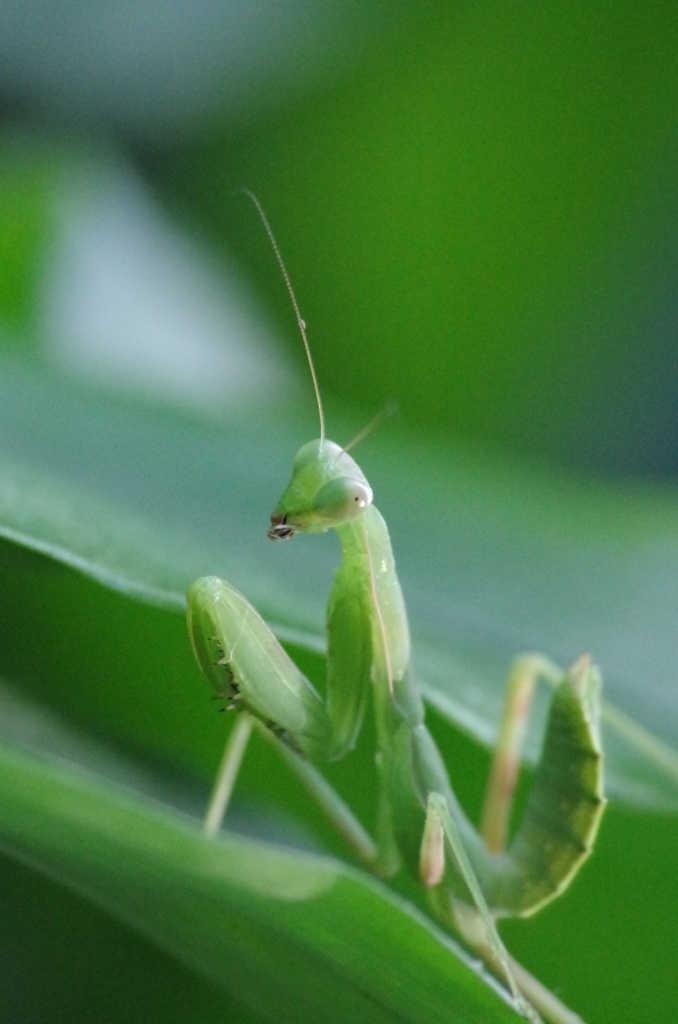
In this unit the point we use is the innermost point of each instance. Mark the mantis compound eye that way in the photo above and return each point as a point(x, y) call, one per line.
point(342, 499)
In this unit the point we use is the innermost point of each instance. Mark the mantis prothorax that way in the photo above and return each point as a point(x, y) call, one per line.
point(471, 877)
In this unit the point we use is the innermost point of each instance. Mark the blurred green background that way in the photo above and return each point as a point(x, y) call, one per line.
point(502, 263)
point(477, 206)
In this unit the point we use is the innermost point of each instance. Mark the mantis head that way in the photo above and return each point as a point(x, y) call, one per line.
point(327, 489)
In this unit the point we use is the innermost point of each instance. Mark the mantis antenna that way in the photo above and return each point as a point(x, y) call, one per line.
point(389, 410)
point(302, 326)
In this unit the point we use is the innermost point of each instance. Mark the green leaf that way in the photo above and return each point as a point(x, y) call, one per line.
point(295, 936)
point(495, 559)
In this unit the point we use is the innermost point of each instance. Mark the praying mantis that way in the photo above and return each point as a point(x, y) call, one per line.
point(471, 877)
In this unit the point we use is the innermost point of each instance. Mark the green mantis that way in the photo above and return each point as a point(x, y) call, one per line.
point(471, 877)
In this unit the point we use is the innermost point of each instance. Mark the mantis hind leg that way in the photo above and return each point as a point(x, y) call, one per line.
point(551, 842)
point(503, 776)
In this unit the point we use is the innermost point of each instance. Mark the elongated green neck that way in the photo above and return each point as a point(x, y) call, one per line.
point(369, 569)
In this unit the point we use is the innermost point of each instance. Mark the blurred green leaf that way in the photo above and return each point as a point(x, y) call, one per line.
point(294, 936)
point(144, 501)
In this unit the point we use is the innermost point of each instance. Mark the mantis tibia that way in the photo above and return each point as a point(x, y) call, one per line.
point(472, 878)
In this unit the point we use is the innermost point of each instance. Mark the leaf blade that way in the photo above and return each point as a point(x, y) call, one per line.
point(289, 933)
